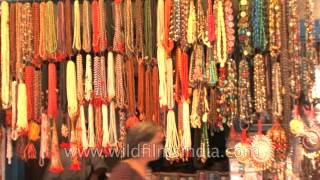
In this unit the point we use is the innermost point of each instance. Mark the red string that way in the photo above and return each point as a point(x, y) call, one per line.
point(29, 77)
point(259, 127)
point(52, 93)
point(178, 76)
point(95, 26)
point(244, 136)
point(184, 78)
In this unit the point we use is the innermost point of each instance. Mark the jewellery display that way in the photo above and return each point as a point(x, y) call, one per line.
point(188, 66)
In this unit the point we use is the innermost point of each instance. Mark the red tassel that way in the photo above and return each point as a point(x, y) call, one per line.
point(259, 127)
point(52, 93)
point(232, 135)
point(29, 78)
point(55, 164)
point(244, 136)
point(131, 121)
point(75, 166)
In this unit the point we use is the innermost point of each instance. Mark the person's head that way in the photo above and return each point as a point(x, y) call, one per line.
point(145, 140)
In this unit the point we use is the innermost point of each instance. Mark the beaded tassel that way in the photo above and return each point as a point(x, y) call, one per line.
point(132, 119)
point(141, 89)
point(55, 163)
point(97, 100)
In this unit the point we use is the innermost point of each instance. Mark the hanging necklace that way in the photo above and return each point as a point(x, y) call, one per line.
point(5, 55)
point(148, 94)
point(138, 6)
point(213, 74)
point(68, 27)
point(197, 59)
point(259, 83)
point(118, 45)
point(61, 33)
point(184, 23)
point(132, 119)
point(102, 26)
point(42, 29)
point(277, 87)
point(192, 24)
point(231, 93)
point(51, 38)
point(175, 20)
point(129, 28)
point(244, 28)
point(86, 33)
point(36, 33)
point(155, 93)
point(76, 27)
point(161, 54)
point(221, 35)
point(274, 17)
point(72, 90)
point(258, 27)
point(245, 100)
point(120, 91)
point(201, 24)
point(229, 25)
point(148, 31)
point(13, 47)
point(294, 46)
point(172, 137)
point(141, 88)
